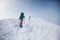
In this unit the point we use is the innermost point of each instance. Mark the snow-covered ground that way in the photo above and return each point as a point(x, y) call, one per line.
point(34, 29)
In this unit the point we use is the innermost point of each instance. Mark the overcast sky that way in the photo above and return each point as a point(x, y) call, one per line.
point(47, 10)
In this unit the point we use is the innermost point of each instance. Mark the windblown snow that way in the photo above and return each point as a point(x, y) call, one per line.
point(32, 30)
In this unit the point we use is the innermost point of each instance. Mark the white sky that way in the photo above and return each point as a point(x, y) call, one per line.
point(3, 6)
point(12, 8)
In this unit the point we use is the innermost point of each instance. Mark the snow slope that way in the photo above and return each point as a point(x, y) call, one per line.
point(34, 29)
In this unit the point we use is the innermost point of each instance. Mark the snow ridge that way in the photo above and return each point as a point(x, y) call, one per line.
point(34, 29)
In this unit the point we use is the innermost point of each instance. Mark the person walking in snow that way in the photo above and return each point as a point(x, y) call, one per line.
point(21, 17)
point(29, 18)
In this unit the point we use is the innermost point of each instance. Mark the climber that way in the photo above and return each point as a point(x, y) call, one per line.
point(21, 17)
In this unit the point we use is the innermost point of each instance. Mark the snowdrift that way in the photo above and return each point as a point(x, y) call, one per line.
point(34, 29)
